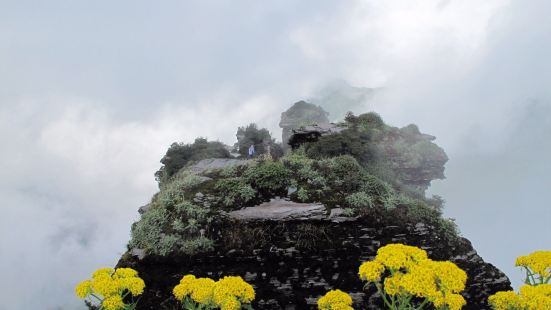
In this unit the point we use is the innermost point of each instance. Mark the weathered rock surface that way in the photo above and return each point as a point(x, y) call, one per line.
point(292, 263)
point(280, 210)
point(311, 133)
point(301, 114)
point(412, 156)
point(409, 155)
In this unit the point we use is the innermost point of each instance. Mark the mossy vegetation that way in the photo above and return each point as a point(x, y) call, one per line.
point(399, 156)
point(342, 170)
point(173, 224)
point(179, 155)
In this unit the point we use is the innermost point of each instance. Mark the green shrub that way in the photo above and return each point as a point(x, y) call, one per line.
point(349, 212)
point(171, 223)
point(376, 187)
point(234, 192)
point(390, 201)
point(370, 120)
point(302, 171)
point(196, 245)
point(268, 177)
point(420, 211)
point(360, 200)
point(302, 195)
point(347, 142)
point(343, 174)
point(179, 155)
point(148, 231)
point(183, 181)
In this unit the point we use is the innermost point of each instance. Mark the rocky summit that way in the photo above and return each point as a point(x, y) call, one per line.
point(298, 224)
point(293, 259)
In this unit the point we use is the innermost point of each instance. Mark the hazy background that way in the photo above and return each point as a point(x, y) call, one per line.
point(93, 92)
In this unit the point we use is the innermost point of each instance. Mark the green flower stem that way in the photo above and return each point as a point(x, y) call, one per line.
point(422, 305)
point(387, 303)
point(530, 275)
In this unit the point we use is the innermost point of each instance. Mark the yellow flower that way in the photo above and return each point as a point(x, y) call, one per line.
point(233, 286)
point(536, 297)
point(371, 271)
point(335, 300)
point(113, 303)
point(449, 277)
point(187, 279)
point(454, 301)
point(202, 291)
point(413, 274)
point(125, 273)
point(538, 261)
point(83, 289)
point(133, 284)
point(102, 272)
point(106, 286)
point(185, 287)
point(396, 256)
point(109, 286)
point(392, 284)
point(505, 300)
point(230, 304)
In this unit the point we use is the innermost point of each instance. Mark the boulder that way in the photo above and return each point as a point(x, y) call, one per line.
point(280, 210)
point(311, 133)
point(300, 114)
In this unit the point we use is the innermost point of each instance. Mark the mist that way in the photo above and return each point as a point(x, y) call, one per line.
point(93, 94)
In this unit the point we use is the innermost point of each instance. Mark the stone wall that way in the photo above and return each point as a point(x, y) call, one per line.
point(292, 263)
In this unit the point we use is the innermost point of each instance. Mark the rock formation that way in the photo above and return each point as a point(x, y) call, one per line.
point(301, 114)
point(404, 156)
point(297, 226)
point(293, 260)
point(311, 133)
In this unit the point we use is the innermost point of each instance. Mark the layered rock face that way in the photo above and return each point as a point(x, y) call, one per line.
point(300, 114)
point(405, 155)
point(299, 225)
point(294, 253)
point(413, 156)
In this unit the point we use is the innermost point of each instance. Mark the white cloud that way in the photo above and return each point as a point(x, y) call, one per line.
point(83, 123)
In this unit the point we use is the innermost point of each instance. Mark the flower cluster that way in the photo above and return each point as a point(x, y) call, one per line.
point(335, 300)
point(530, 297)
point(111, 286)
point(537, 266)
point(536, 293)
point(408, 273)
point(228, 293)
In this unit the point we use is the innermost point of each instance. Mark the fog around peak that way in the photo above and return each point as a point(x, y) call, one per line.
point(94, 93)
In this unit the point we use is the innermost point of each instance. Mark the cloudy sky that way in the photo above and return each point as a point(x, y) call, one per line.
point(93, 92)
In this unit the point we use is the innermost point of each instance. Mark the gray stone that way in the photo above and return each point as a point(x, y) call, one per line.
point(301, 113)
point(139, 253)
point(337, 216)
point(144, 209)
point(335, 212)
point(311, 133)
point(281, 210)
